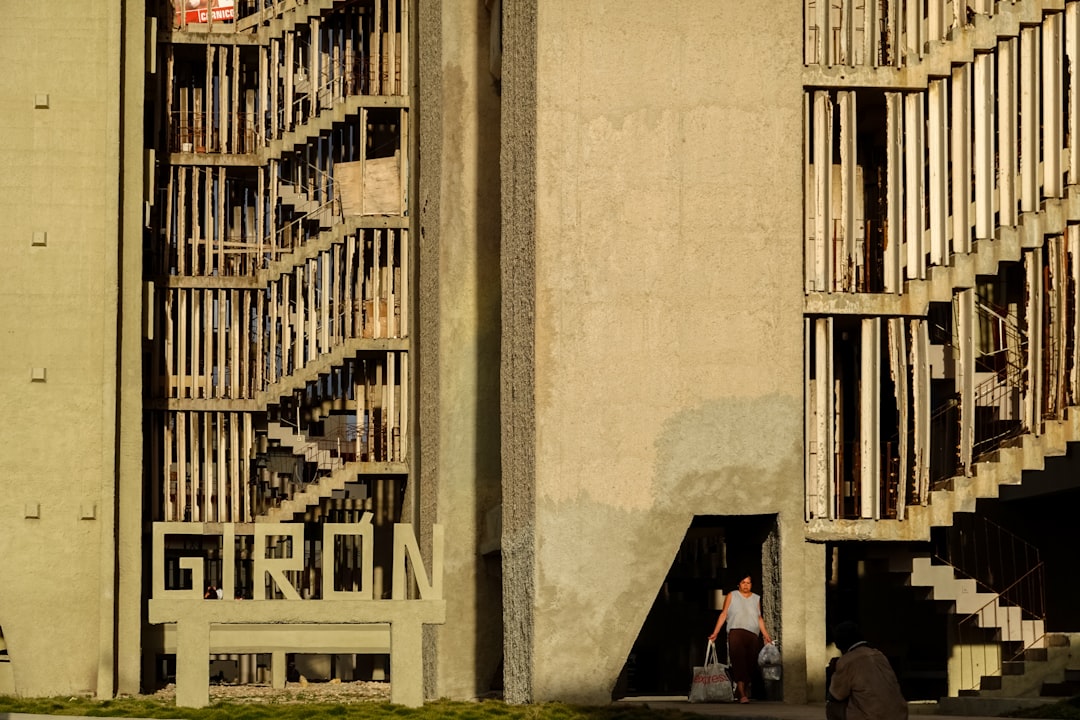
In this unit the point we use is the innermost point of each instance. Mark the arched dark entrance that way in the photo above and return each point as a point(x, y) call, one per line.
point(715, 553)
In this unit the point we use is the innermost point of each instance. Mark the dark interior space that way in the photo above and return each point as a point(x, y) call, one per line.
point(898, 620)
point(715, 554)
point(1042, 512)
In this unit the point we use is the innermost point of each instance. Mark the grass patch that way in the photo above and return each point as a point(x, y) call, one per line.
point(147, 707)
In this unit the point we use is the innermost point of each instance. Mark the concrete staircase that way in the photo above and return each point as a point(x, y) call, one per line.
point(273, 21)
point(326, 486)
point(981, 34)
point(324, 460)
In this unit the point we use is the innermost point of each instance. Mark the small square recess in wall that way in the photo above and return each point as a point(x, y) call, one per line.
point(37, 374)
point(32, 510)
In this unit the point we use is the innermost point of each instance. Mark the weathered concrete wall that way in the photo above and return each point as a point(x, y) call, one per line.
point(60, 286)
point(459, 333)
point(667, 308)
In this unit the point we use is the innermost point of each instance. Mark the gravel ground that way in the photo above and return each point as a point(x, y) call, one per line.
point(322, 692)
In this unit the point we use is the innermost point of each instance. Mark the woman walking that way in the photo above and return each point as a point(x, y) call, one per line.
point(742, 613)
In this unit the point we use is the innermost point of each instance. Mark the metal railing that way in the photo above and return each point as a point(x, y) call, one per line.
point(996, 634)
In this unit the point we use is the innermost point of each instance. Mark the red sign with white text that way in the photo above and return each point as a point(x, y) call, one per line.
point(197, 11)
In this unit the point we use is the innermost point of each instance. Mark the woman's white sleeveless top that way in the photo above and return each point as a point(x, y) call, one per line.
point(742, 613)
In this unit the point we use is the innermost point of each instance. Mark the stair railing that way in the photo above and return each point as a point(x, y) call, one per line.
point(980, 549)
point(983, 636)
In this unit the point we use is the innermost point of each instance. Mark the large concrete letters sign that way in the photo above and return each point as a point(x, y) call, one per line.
point(201, 625)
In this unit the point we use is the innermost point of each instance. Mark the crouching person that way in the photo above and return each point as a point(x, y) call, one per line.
point(863, 684)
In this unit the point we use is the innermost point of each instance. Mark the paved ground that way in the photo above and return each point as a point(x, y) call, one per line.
point(780, 711)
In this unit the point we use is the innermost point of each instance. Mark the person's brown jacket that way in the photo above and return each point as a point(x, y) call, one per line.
point(865, 683)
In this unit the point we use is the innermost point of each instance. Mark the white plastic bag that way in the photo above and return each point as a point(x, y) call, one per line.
point(711, 682)
point(769, 661)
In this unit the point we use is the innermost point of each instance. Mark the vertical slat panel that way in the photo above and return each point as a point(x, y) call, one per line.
point(920, 395)
point(312, 311)
point(1033, 266)
point(914, 162)
point(287, 311)
point(405, 81)
point(845, 274)
point(405, 272)
point(936, 20)
point(376, 290)
point(181, 350)
point(961, 158)
point(329, 301)
point(937, 143)
point(405, 399)
point(171, 389)
point(984, 150)
point(1073, 237)
point(234, 297)
point(168, 465)
point(289, 70)
point(222, 469)
point(913, 27)
point(965, 342)
point(823, 147)
point(825, 471)
point(181, 466)
point(1072, 56)
point(296, 319)
point(1029, 119)
point(1052, 110)
point(1007, 150)
point(351, 329)
point(201, 384)
point(247, 470)
point(898, 369)
point(870, 420)
point(847, 50)
point(894, 189)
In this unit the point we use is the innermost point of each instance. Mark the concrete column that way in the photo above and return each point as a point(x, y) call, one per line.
point(192, 664)
point(278, 668)
point(406, 661)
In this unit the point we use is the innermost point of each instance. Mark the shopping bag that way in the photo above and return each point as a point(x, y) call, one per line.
point(769, 661)
point(711, 682)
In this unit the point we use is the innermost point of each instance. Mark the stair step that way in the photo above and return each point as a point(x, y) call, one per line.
point(1012, 667)
point(1036, 655)
point(1060, 689)
point(1072, 675)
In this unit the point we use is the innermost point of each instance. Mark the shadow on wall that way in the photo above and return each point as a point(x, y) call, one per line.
point(716, 552)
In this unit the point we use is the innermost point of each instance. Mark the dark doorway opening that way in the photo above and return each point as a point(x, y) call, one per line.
point(899, 620)
point(716, 552)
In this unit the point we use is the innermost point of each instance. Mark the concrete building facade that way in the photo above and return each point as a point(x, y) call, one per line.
point(613, 303)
